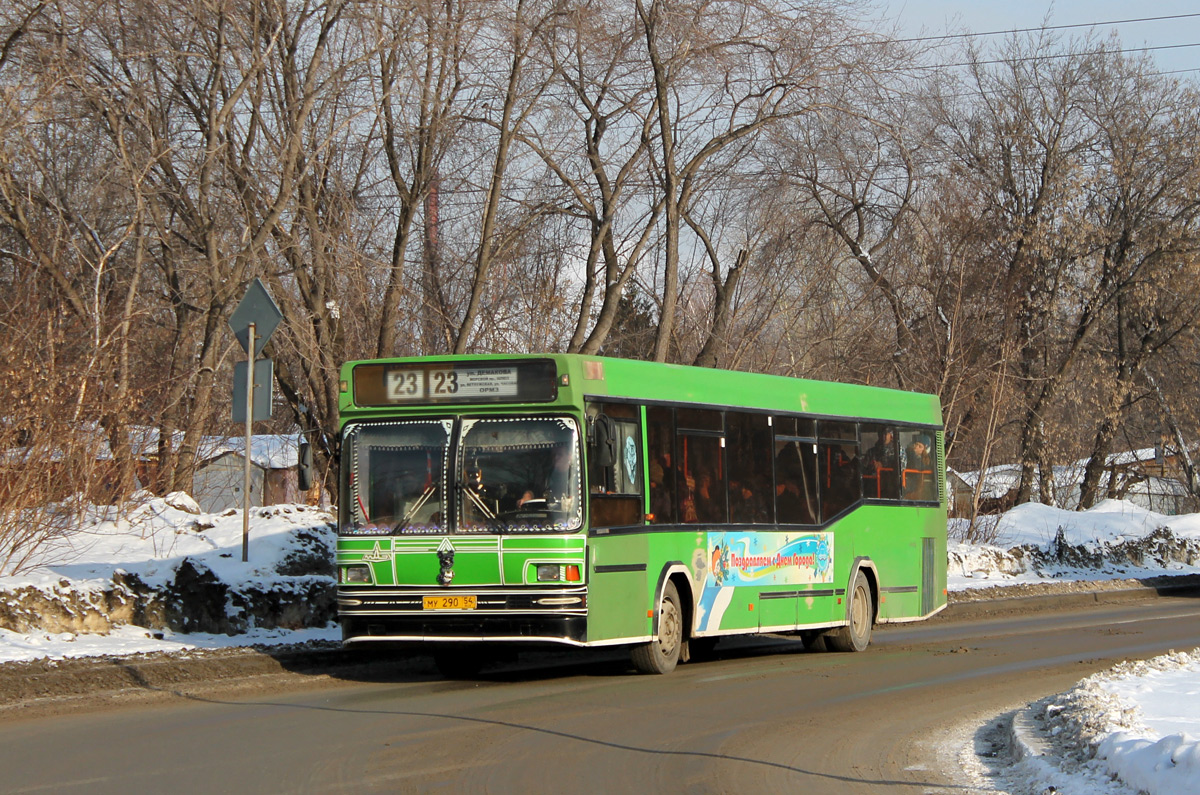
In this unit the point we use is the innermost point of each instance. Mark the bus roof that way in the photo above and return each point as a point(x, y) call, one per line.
point(628, 379)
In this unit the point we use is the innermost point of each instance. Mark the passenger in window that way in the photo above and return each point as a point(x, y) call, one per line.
point(919, 478)
point(884, 449)
point(668, 473)
point(708, 508)
point(880, 467)
point(687, 500)
point(790, 506)
point(661, 492)
point(840, 478)
point(746, 504)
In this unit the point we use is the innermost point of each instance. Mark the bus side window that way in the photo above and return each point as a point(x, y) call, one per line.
point(660, 436)
point(918, 475)
point(796, 500)
point(880, 462)
point(841, 485)
point(750, 483)
point(616, 490)
point(700, 479)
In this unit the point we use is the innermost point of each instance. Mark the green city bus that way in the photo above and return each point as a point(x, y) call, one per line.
point(496, 500)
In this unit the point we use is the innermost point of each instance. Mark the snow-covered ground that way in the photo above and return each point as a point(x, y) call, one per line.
point(1134, 728)
point(1036, 543)
point(151, 542)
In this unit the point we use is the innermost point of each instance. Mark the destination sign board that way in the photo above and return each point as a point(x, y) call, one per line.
point(453, 382)
point(461, 384)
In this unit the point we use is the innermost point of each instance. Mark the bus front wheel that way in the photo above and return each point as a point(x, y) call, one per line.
point(856, 635)
point(660, 655)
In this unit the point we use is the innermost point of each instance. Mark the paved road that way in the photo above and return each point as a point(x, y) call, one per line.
point(763, 716)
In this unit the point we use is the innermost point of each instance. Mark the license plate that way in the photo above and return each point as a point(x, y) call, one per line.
point(456, 602)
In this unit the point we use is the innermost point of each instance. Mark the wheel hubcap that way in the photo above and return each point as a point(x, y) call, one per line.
point(859, 620)
point(669, 628)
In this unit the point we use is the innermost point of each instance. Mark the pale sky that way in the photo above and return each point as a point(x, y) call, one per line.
point(941, 16)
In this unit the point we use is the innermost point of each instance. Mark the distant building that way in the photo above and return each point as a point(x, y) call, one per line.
point(220, 472)
point(217, 484)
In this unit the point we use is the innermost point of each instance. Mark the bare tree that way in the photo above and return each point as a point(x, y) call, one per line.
point(517, 98)
point(420, 80)
point(597, 153)
point(861, 163)
point(722, 74)
point(1145, 208)
point(1022, 146)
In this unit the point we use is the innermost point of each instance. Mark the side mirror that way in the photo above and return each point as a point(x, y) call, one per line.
point(304, 466)
point(606, 441)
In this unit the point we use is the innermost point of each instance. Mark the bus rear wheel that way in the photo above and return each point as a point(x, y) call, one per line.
point(661, 655)
point(856, 635)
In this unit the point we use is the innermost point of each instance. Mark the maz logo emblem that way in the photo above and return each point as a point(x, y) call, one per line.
point(376, 555)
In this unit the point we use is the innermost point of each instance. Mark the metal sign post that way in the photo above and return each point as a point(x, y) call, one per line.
point(249, 437)
point(253, 323)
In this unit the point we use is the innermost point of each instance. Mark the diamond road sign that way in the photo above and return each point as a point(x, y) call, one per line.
point(259, 308)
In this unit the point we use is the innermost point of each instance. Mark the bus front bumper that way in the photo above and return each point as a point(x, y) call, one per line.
point(528, 616)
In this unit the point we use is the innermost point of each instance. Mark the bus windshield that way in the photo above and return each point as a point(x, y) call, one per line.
point(513, 474)
point(520, 475)
point(397, 477)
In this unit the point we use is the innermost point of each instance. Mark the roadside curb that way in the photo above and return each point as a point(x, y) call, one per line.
point(1027, 741)
point(1030, 749)
point(45, 683)
point(1116, 592)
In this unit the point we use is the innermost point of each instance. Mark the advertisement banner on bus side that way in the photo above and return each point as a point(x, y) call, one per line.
point(739, 558)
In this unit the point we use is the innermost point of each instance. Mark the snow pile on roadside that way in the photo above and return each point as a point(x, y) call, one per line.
point(1139, 721)
point(168, 570)
point(982, 565)
point(1039, 543)
point(151, 538)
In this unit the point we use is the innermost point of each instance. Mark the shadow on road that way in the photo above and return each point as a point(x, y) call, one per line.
point(403, 663)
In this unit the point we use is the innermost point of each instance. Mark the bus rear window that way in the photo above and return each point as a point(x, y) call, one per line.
point(918, 474)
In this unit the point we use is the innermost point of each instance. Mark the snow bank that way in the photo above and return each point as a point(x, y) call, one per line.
point(126, 640)
point(1113, 540)
point(1139, 721)
point(163, 565)
point(1109, 522)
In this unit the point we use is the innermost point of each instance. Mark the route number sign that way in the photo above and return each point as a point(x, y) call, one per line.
point(464, 384)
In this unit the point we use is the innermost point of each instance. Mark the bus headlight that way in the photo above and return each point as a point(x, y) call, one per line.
point(358, 575)
point(549, 572)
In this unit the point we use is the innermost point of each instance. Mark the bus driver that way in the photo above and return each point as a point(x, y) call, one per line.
point(557, 486)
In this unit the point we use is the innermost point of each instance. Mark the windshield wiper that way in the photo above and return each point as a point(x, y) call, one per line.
point(493, 521)
point(418, 505)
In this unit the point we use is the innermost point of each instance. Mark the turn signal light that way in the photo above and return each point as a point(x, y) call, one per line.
point(554, 572)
